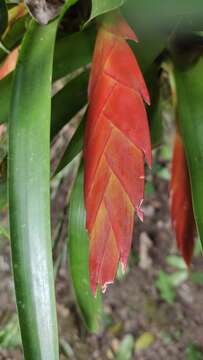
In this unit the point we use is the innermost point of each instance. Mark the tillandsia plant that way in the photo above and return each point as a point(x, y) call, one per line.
point(103, 59)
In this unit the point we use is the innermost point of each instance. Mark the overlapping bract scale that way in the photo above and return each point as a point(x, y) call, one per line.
point(181, 202)
point(117, 142)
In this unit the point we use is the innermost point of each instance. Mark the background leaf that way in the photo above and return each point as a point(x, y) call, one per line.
point(177, 262)
point(125, 350)
point(74, 147)
point(10, 334)
point(80, 57)
point(68, 101)
point(165, 287)
point(193, 353)
point(100, 7)
point(190, 93)
point(78, 251)
point(3, 16)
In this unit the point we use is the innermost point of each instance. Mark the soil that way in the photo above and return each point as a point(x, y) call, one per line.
point(133, 305)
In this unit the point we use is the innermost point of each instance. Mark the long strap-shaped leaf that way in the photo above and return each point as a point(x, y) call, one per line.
point(29, 173)
point(78, 245)
point(190, 94)
point(116, 142)
point(181, 202)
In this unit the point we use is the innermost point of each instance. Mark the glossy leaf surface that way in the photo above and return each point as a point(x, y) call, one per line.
point(183, 221)
point(190, 94)
point(81, 56)
point(78, 246)
point(29, 198)
point(116, 143)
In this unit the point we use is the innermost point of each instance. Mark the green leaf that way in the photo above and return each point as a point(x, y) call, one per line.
point(3, 176)
point(3, 16)
point(177, 278)
point(14, 36)
point(144, 341)
point(10, 334)
point(3, 193)
point(120, 274)
point(67, 102)
point(165, 287)
point(154, 22)
point(125, 350)
point(5, 91)
point(74, 147)
point(140, 16)
point(80, 45)
point(4, 232)
point(193, 353)
point(190, 94)
point(156, 126)
point(101, 7)
point(197, 277)
point(177, 262)
point(198, 247)
point(80, 57)
point(78, 245)
point(29, 197)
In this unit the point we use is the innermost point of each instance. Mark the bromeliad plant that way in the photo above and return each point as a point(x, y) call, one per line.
point(53, 40)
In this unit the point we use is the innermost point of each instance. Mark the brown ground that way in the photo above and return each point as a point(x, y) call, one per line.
point(133, 305)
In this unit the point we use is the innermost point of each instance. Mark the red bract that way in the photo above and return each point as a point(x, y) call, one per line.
point(116, 142)
point(181, 202)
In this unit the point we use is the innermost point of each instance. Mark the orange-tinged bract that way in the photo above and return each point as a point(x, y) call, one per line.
point(9, 64)
point(117, 141)
point(181, 202)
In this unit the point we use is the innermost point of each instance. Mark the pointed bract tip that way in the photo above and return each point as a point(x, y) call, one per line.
point(104, 286)
point(146, 97)
point(139, 211)
point(123, 265)
point(118, 26)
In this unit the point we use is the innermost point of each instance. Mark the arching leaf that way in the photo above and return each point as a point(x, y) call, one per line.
point(190, 93)
point(78, 246)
